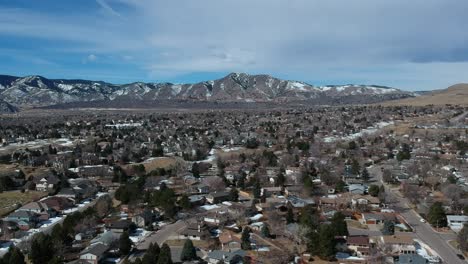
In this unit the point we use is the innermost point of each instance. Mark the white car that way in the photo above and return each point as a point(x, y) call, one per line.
point(422, 220)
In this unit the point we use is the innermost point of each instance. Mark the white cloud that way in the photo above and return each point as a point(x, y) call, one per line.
point(90, 58)
point(419, 44)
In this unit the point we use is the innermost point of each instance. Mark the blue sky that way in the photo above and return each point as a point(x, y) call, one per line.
point(413, 45)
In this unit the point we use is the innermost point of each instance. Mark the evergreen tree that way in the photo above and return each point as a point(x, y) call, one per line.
point(152, 254)
point(125, 244)
point(339, 224)
point(313, 242)
point(280, 178)
point(436, 215)
point(257, 189)
point(388, 228)
point(265, 231)
point(290, 215)
point(184, 202)
point(355, 167)
point(245, 239)
point(188, 251)
point(196, 170)
point(327, 242)
point(14, 255)
point(340, 186)
point(374, 190)
point(165, 255)
point(241, 181)
point(234, 195)
point(41, 249)
point(365, 175)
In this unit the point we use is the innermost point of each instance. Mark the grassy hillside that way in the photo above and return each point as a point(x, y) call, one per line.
point(455, 94)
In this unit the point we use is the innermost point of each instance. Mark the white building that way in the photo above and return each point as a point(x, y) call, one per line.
point(456, 222)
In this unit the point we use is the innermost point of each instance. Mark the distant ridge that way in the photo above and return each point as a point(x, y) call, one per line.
point(38, 91)
point(456, 95)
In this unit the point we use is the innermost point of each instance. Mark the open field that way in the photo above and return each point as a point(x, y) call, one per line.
point(9, 200)
point(455, 95)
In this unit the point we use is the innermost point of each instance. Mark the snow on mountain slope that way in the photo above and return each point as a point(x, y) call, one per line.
point(40, 91)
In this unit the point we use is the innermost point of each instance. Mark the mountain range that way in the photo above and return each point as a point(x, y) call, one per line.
point(37, 91)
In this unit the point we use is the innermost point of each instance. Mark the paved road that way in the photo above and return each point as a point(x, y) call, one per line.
point(423, 231)
point(162, 235)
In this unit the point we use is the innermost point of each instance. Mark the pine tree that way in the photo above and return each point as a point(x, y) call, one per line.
point(184, 202)
point(388, 228)
point(339, 224)
point(188, 251)
point(365, 175)
point(125, 244)
point(313, 242)
point(234, 195)
point(245, 239)
point(152, 254)
point(327, 241)
point(41, 249)
point(257, 189)
point(165, 255)
point(14, 255)
point(196, 170)
point(436, 215)
point(265, 231)
point(290, 215)
point(280, 178)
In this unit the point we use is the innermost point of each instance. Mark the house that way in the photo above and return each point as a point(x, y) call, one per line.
point(202, 188)
point(359, 244)
point(398, 244)
point(357, 189)
point(229, 242)
point(456, 222)
point(120, 226)
point(366, 200)
point(297, 202)
point(195, 230)
point(411, 259)
point(217, 197)
point(39, 208)
point(271, 191)
point(376, 219)
point(24, 219)
point(59, 204)
point(220, 256)
point(94, 253)
point(216, 218)
point(143, 219)
point(47, 183)
point(293, 190)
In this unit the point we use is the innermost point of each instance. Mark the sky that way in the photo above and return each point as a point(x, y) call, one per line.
point(412, 45)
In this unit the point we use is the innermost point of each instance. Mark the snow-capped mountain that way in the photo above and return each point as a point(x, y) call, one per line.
point(34, 91)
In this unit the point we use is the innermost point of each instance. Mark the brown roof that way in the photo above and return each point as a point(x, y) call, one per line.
point(398, 239)
point(358, 240)
point(227, 236)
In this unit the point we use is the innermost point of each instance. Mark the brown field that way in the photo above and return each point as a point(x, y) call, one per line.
point(162, 162)
point(455, 95)
point(9, 200)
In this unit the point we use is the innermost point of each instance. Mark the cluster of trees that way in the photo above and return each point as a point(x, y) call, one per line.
point(155, 255)
point(320, 238)
point(14, 255)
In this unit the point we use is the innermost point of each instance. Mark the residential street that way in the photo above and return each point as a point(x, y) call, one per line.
point(423, 231)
